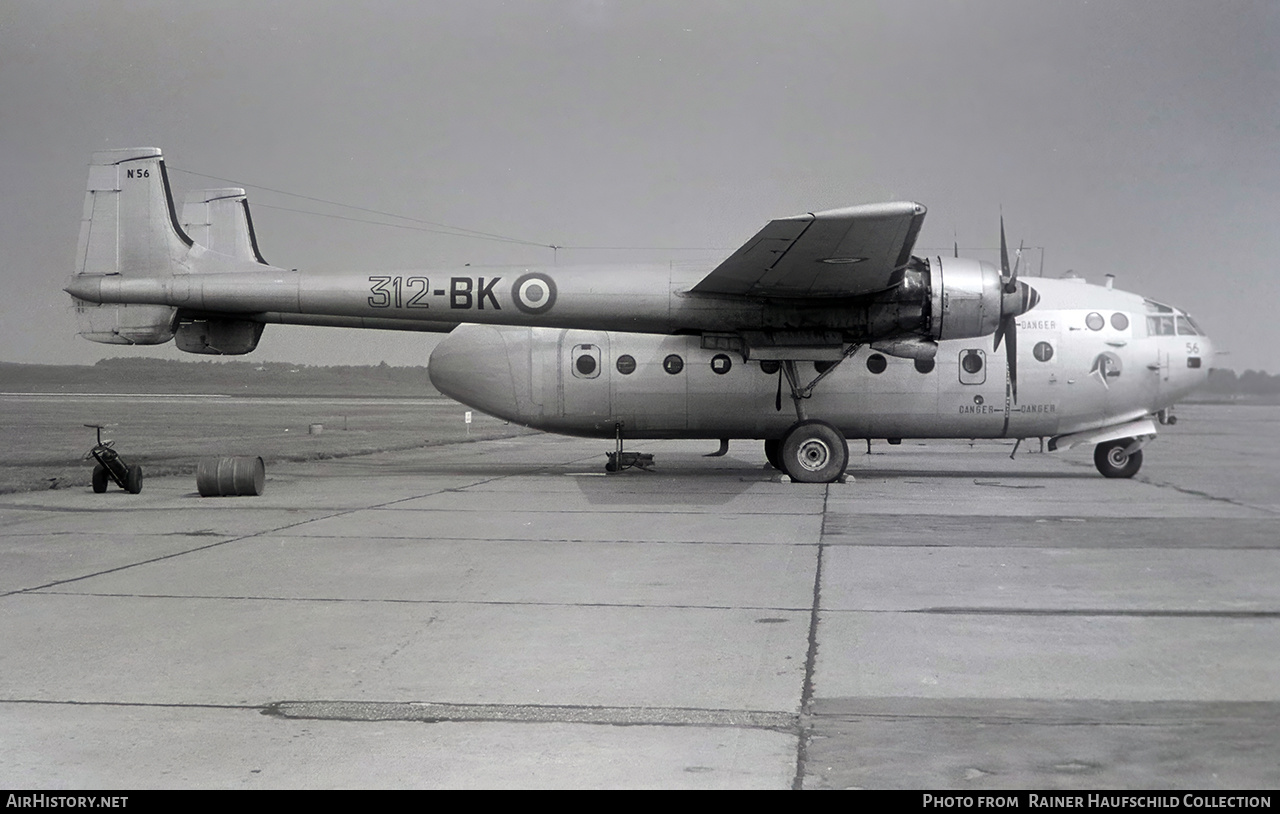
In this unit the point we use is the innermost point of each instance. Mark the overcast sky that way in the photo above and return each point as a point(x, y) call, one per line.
point(1136, 138)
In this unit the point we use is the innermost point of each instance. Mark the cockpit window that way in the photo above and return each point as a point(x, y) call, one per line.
point(1160, 326)
point(1186, 327)
point(1154, 307)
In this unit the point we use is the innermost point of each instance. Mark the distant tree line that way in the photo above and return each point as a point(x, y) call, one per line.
point(143, 375)
point(1250, 383)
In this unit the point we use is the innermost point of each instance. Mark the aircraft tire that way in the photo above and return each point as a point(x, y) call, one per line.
point(773, 453)
point(813, 451)
point(133, 480)
point(1113, 463)
point(99, 478)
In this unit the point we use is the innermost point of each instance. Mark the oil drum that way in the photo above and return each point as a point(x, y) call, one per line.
point(226, 477)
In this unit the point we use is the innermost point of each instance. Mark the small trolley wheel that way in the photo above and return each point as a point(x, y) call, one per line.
point(773, 453)
point(99, 478)
point(133, 480)
point(813, 451)
point(1112, 462)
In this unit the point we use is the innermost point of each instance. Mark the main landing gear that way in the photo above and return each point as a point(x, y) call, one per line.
point(811, 450)
point(1118, 459)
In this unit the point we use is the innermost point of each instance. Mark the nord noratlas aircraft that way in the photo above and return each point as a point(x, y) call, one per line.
point(829, 309)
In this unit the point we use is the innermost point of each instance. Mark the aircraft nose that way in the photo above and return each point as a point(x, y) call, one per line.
point(471, 365)
point(1206, 354)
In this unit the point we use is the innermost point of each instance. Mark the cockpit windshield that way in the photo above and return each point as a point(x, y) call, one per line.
point(1163, 320)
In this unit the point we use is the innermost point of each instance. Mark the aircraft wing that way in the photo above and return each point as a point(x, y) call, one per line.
point(838, 253)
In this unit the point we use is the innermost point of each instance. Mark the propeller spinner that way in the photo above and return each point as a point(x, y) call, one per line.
point(1015, 300)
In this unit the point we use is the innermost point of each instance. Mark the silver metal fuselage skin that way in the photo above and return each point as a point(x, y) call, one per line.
point(1086, 360)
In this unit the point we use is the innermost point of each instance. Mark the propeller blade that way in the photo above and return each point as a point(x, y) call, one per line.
point(1011, 354)
point(1004, 251)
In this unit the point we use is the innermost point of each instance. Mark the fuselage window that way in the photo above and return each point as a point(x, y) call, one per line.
point(1186, 327)
point(823, 367)
point(720, 364)
point(586, 361)
point(973, 366)
point(1043, 351)
point(626, 364)
point(1119, 321)
point(1095, 321)
point(673, 364)
point(924, 365)
point(770, 366)
point(876, 363)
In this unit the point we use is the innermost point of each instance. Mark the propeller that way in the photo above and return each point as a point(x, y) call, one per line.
point(1015, 299)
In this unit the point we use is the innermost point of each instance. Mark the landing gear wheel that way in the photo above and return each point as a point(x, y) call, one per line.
point(813, 451)
point(773, 453)
point(99, 479)
point(1112, 462)
point(133, 480)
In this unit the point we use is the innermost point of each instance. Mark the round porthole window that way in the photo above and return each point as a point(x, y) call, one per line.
point(1043, 351)
point(626, 364)
point(972, 362)
point(770, 367)
point(1095, 321)
point(673, 364)
point(1119, 321)
point(586, 364)
point(924, 365)
point(876, 363)
point(720, 364)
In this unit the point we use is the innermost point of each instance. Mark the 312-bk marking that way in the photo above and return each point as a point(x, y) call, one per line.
point(411, 292)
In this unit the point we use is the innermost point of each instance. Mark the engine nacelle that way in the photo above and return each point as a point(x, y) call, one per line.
point(965, 298)
point(219, 337)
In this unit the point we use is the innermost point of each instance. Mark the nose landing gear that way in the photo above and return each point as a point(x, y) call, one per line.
point(1118, 459)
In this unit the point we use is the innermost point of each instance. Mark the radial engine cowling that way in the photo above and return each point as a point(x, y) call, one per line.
point(969, 298)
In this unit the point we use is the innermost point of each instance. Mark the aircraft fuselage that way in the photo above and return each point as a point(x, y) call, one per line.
point(1088, 357)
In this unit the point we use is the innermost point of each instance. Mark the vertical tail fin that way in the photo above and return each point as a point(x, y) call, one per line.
point(219, 220)
point(129, 228)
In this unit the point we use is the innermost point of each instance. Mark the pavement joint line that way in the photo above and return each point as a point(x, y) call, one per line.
point(197, 549)
point(811, 658)
point(526, 540)
point(1198, 493)
point(430, 712)
point(240, 538)
point(357, 600)
point(1192, 492)
point(1170, 613)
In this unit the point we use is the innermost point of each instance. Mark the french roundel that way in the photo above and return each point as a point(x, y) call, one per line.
point(534, 293)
